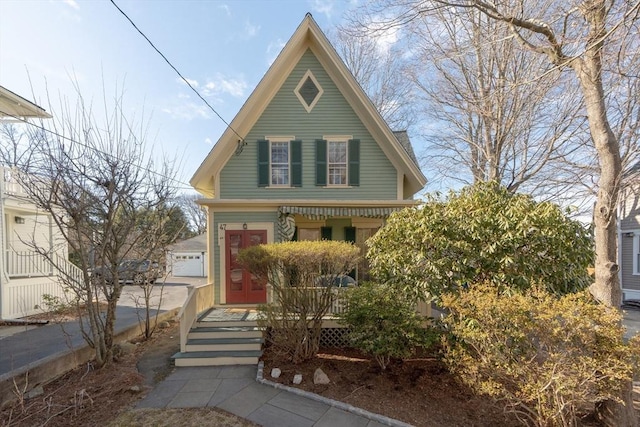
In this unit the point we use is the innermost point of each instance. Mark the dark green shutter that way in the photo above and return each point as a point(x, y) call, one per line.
point(350, 234)
point(354, 162)
point(326, 233)
point(263, 163)
point(321, 162)
point(296, 163)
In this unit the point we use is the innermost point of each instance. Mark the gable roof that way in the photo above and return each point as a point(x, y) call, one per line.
point(308, 35)
point(195, 244)
point(13, 105)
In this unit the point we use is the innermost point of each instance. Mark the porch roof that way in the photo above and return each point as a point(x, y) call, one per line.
point(323, 212)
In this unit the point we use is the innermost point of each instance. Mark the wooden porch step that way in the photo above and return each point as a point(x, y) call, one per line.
point(217, 358)
point(224, 344)
point(225, 332)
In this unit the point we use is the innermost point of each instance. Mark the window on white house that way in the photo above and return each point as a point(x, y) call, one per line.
point(337, 162)
point(280, 163)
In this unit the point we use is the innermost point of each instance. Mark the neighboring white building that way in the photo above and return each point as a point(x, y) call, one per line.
point(25, 275)
point(188, 258)
point(629, 234)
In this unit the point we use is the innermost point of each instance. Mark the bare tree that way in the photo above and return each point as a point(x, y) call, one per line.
point(589, 38)
point(195, 214)
point(380, 70)
point(107, 196)
point(496, 117)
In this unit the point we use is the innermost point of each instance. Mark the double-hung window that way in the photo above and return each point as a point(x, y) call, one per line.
point(337, 161)
point(279, 162)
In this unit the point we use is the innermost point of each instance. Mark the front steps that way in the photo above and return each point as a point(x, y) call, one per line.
point(218, 339)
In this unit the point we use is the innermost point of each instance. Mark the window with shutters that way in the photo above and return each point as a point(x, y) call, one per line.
point(280, 162)
point(338, 161)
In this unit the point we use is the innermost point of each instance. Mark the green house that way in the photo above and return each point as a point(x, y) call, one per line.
point(315, 160)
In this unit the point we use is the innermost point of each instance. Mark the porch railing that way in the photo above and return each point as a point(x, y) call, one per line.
point(27, 264)
point(339, 304)
point(34, 264)
point(198, 300)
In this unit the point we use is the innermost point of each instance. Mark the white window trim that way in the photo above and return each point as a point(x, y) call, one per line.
point(636, 252)
point(279, 139)
point(300, 98)
point(338, 138)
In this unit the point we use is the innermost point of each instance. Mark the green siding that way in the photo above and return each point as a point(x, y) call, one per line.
point(286, 116)
point(234, 217)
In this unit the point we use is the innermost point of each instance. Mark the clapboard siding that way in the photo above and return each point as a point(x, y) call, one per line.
point(332, 115)
point(232, 217)
point(630, 209)
point(629, 280)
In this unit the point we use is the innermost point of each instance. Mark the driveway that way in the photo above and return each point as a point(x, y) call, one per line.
point(173, 291)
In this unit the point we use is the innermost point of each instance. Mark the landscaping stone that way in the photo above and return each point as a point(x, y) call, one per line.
point(319, 377)
point(275, 373)
point(297, 378)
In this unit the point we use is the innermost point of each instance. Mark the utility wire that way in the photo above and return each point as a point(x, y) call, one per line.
point(176, 70)
point(183, 185)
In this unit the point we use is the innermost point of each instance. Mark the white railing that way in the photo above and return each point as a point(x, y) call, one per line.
point(27, 264)
point(11, 181)
point(338, 303)
point(198, 300)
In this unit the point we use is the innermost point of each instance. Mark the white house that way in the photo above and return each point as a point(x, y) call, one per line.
point(25, 275)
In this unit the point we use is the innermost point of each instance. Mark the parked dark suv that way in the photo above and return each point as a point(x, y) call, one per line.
point(138, 272)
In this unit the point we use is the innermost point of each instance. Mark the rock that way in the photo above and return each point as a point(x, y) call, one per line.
point(297, 378)
point(275, 373)
point(126, 347)
point(164, 325)
point(135, 388)
point(319, 377)
point(34, 392)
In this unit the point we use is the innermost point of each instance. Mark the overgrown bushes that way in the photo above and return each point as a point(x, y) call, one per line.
point(294, 317)
point(384, 324)
point(545, 357)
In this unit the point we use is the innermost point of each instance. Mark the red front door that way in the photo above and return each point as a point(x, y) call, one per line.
point(242, 286)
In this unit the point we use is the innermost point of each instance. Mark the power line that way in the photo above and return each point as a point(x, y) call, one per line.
point(183, 185)
point(176, 70)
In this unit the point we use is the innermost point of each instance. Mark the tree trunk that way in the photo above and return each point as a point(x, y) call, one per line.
point(607, 286)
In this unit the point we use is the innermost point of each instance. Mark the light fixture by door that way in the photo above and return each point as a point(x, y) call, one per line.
point(244, 226)
point(19, 220)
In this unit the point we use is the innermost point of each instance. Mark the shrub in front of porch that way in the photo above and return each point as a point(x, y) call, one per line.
point(384, 323)
point(301, 290)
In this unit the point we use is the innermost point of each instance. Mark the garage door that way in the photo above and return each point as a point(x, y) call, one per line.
point(189, 264)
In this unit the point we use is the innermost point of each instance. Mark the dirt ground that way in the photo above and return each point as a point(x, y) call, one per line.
point(419, 391)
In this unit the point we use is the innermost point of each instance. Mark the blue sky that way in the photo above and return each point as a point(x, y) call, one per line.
point(222, 47)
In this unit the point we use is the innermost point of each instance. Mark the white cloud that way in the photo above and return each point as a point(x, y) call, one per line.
point(73, 3)
point(188, 111)
point(323, 6)
point(226, 8)
point(192, 82)
point(250, 30)
point(208, 141)
point(273, 50)
point(383, 35)
point(220, 85)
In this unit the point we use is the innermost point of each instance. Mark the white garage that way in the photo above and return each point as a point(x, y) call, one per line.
point(189, 257)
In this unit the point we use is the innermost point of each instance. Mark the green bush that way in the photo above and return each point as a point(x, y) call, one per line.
point(384, 324)
point(296, 305)
point(482, 233)
point(545, 357)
